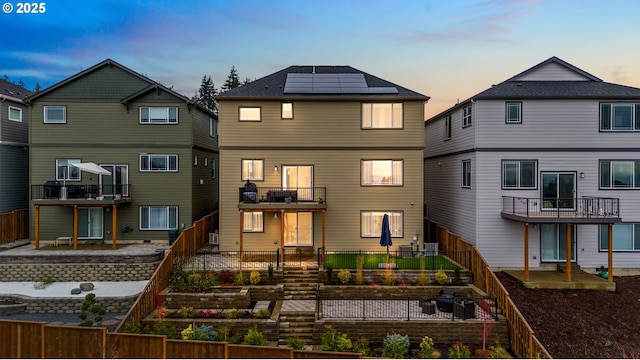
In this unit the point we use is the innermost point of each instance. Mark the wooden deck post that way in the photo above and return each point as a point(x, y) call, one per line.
point(526, 251)
point(324, 226)
point(569, 251)
point(75, 227)
point(282, 236)
point(610, 254)
point(114, 225)
point(241, 235)
point(37, 227)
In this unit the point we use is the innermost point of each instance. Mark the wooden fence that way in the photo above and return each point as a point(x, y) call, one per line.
point(14, 226)
point(524, 343)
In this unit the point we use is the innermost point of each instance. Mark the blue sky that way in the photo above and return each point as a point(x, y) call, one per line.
point(447, 50)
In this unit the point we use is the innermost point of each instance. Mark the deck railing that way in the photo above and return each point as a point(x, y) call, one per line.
point(14, 226)
point(584, 207)
point(282, 195)
point(55, 190)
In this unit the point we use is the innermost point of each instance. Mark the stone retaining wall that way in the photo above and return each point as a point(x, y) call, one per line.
point(95, 271)
point(224, 299)
point(72, 305)
point(270, 328)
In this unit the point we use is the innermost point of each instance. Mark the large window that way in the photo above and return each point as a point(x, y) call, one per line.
point(466, 173)
point(371, 223)
point(447, 127)
point(619, 174)
point(158, 162)
point(65, 171)
point(382, 116)
point(619, 117)
point(252, 169)
point(158, 217)
point(626, 237)
point(213, 127)
point(55, 114)
point(253, 221)
point(15, 114)
point(249, 114)
point(519, 174)
point(381, 172)
point(513, 113)
point(466, 116)
point(159, 115)
point(287, 110)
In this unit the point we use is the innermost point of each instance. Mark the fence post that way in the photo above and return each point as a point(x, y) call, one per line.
point(408, 309)
point(364, 312)
point(278, 258)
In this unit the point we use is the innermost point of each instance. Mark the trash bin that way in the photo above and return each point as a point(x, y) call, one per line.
point(173, 235)
point(406, 250)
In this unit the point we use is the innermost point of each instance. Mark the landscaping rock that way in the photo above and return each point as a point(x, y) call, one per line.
point(86, 286)
point(76, 291)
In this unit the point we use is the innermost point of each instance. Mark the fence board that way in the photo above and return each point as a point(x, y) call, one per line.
point(177, 349)
point(258, 352)
point(299, 354)
point(136, 346)
point(73, 342)
point(21, 339)
point(14, 226)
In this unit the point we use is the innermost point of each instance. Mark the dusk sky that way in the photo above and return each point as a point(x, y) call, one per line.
point(447, 50)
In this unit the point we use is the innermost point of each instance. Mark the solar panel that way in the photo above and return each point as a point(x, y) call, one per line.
point(303, 83)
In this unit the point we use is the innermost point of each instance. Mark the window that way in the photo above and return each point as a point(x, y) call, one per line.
point(519, 174)
point(213, 168)
point(447, 127)
point(382, 116)
point(66, 171)
point(381, 172)
point(253, 222)
point(466, 116)
point(158, 217)
point(466, 173)
point(513, 113)
point(206, 162)
point(287, 110)
point(213, 127)
point(250, 114)
point(252, 170)
point(619, 174)
point(158, 163)
point(195, 160)
point(626, 237)
point(15, 114)
point(620, 117)
point(55, 114)
point(371, 223)
point(158, 115)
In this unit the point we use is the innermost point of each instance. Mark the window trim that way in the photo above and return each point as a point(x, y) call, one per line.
point(167, 208)
point(46, 117)
point(150, 156)
point(506, 112)
point(635, 174)
point(78, 177)
point(467, 116)
point(519, 178)
point(260, 229)
point(252, 178)
point(282, 110)
point(9, 108)
point(362, 163)
point(213, 127)
point(375, 232)
point(447, 127)
point(635, 117)
point(370, 126)
point(167, 121)
point(466, 166)
point(240, 108)
point(605, 227)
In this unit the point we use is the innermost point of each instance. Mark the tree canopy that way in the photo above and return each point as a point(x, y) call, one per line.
point(204, 95)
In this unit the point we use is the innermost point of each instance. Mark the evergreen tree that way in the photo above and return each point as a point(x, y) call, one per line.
point(37, 87)
point(204, 95)
point(233, 80)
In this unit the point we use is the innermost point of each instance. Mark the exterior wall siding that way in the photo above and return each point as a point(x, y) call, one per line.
point(14, 159)
point(552, 72)
point(461, 138)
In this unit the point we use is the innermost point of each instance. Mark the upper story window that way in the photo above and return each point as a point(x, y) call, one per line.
point(287, 110)
point(371, 223)
point(213, 168)
point(447, 127)
point(619, 117)
point(619, 174)
point(381, 172)
point(55, 114)
point(213, 127)
point(252, 169)
point(253, 221)
point(382, 116)
point(513, 112)
point(519, 174)
point(158, 217)
point(158, 115)
point(466, 173)
point(168, 163)
point(15, 114)
point(626, 237)
point(250, 113)
point(466, 116)
point(65, 171)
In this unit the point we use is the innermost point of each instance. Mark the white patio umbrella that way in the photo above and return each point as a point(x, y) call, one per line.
point(92, 168)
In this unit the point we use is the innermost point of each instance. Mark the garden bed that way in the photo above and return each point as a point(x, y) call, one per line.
point(11, 305)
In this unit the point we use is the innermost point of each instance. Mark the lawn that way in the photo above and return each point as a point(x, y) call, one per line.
point(371, 261)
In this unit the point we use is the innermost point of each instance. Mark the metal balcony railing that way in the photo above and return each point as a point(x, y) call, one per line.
point(584, 207)
point(282, 195)
point(55, 190)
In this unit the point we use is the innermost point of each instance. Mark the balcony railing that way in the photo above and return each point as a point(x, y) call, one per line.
point(54, 190)
point(587, 207)
point(282, 195)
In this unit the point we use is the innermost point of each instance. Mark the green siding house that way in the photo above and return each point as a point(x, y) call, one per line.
point(116, 156)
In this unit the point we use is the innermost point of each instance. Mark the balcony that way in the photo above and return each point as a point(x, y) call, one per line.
point(283, 198)
point(55, 193)
point(584, 210)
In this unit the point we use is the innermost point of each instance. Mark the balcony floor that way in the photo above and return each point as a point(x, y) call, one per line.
point(558, 280)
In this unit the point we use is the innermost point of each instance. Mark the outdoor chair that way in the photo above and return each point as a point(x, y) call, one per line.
point(464, 308)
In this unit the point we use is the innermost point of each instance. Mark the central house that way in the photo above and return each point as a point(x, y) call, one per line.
point(314, 156)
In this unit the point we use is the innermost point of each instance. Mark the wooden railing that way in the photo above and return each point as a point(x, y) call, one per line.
point(524, 343)
point(14, 226)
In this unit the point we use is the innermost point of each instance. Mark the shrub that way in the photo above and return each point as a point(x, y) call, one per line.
point(263, 313)
point(240, 279)
point(234, 314)
point(166, 328)
point(359, 274)
point(344, 275)
point(208, 332)
point(90, 311)
point(295, 343)
point(255, 337)
point(395, 346)
point(254, 277)
point(132, 327)
point(362, 346)
point(497, 352)
point(459, 351)
point(456, 277)
point(387, 277)
point(190, 334)
point(44, 282)
point(329, 270)
point(426, 349)
point(195, 282)
point(334, 340)
point(224, 332)
point(185, 312)
point(225, 277)
point(441, 276)
point(270, 273)
point(178, 278)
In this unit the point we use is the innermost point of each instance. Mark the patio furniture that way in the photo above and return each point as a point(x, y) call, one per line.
point(464, 308)
point(427, 305)
point(445, 302)
point(63, 239)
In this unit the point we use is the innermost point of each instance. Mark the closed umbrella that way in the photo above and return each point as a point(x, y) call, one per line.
point(385, 236)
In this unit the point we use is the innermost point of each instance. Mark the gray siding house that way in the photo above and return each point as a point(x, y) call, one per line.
point(540, 169)
point(159, 150)
point(14, 147)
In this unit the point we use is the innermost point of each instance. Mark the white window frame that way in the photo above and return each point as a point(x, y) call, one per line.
point(46, 110)
point(253, 221)
point(608, 117)
point(395, 167)
point(623, 237)
point(146, 161)
point(252, 169)
point(170, 217)
point(447, 127)
point(287, 111)
point(633, 170)
point(466, 173)
point(518, 174)
point(72, 173)
point(10, 108)
point(395, 111)
point(250, 113)
point(206, 162)
point(466, 116)
point(213, 127)
point(371, 223)
point(507, 114)
point(195, 160)
point(166, 120)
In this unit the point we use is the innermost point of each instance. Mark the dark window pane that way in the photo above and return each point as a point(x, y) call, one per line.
point(605, 116)
point(604, 174)
point(528, 174)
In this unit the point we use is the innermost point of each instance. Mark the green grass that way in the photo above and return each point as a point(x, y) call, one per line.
point(371, 261)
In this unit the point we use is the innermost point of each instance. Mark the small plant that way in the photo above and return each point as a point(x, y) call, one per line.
point(459, 351)
point(362, 346)
point(270, 273)
point(295, 343)
point(427, 351)
point(255, 337)
point(166, 328)
point(456, 276)
point(224, 332)
point(263, 313)
point(225, 277)
point(133, 327)
point(234, 314)
point(44, 282)
point(608, 343)
point(190, 334)
point(387, 277)
point(441, 277)
point(185, 312)
point(497, 352)
point(334, 340)
point(254, 277)
point(344, 275)
point(359, 274)
point(161, 312)
point(240, 279)
point(90, 311)
point(329, 270)
point(178, 278)
point(208, 332)
point(395, 346)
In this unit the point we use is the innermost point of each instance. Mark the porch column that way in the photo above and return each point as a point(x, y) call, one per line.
point(114, 225)
point(610, 253)
point(241, 235)
point(282, 236)
point(75, 227)
point(568, 251)
point(324, 226)
point(37, 227)
point(526, 251)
